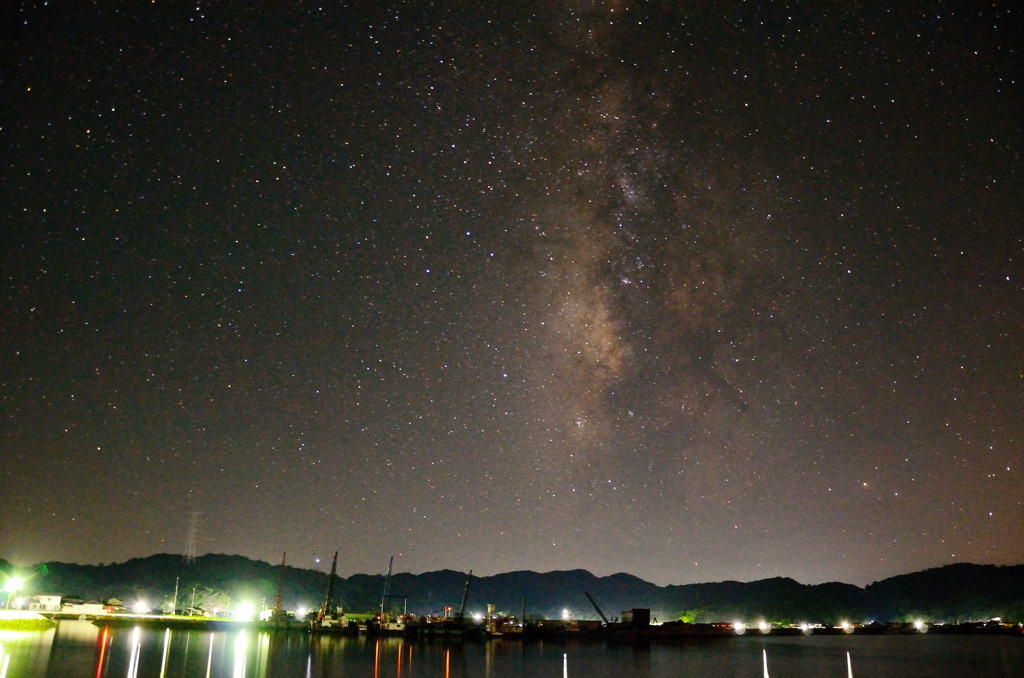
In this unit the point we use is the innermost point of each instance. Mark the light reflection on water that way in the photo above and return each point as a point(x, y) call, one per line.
point(80, 650)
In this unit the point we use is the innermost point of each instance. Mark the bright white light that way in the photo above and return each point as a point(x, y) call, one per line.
point(739, 627)
point(140, 607)
point(12, 585)
point(764, 627)
point(565, 614)
point(919, 625)
point(245, 612)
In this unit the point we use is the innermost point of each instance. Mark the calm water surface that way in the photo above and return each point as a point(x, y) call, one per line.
point(79, 650)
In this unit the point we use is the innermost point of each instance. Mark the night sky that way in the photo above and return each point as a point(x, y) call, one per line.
point(728, 290)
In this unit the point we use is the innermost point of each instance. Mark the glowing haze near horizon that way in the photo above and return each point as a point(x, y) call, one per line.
point(729, 291)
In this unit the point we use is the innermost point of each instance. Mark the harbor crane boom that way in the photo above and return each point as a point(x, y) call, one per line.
point(465, 596)
point(328, 607)
point(387, 588)
point(594, 603)
point(279, 595)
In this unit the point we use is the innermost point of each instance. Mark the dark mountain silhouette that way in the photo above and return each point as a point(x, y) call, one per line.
point(951, 593)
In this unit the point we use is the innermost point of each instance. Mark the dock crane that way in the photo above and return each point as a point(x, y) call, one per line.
point(594, 603)
point(387, 588)
point(278, 615)
point(465, 596)
point(390, 623)
point(327, 609)
point(279, 595)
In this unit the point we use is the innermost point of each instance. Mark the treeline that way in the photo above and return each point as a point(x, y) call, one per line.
point(952, 593)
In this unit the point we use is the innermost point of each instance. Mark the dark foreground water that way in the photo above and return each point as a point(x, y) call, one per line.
point(78, 650)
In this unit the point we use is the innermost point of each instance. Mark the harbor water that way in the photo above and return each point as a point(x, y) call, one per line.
point(78, 649)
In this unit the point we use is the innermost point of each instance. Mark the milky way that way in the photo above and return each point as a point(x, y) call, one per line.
point(700, 293)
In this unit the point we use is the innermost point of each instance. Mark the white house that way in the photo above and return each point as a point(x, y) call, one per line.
point(90, 607)
point(45, 603)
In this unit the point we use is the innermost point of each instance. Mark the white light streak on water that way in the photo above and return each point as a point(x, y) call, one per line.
point(209, 658)
point(240, 645)
point(167, 649)
point(135, 651)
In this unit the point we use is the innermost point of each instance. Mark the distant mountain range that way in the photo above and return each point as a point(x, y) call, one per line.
point(951, 593)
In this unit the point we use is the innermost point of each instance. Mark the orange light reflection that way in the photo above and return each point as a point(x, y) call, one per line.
point(104, 641)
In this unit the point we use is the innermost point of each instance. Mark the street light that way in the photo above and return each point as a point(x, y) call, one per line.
point(12, 585)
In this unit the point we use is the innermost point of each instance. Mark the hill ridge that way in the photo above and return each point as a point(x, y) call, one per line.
point(948, 593)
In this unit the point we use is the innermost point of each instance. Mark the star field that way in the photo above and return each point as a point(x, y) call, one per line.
point(723, 291)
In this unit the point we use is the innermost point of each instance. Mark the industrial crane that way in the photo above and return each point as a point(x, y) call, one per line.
point(594, 603)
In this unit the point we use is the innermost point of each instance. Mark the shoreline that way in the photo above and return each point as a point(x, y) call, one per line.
point(664, 632)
